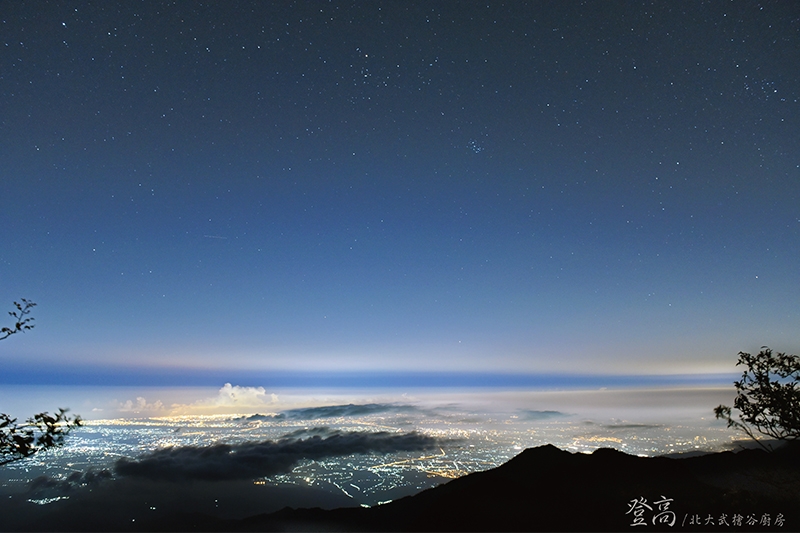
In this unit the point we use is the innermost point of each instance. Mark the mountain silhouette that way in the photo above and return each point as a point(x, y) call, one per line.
point(541, 489)
point(548, 489)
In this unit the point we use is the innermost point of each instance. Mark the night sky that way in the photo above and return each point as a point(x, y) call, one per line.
point(242, 190)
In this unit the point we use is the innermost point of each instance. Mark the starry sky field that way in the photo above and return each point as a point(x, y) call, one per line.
point(398, 192)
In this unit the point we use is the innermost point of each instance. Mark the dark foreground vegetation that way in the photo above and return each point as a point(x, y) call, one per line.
point(542, 489)
point(42, 431)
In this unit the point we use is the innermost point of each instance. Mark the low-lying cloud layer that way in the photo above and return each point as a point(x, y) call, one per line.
point(258, 459)
point(76, 479)
point(530, 414)
point(331, 411)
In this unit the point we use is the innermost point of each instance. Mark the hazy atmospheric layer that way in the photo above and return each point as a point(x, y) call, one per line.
point(341, 449)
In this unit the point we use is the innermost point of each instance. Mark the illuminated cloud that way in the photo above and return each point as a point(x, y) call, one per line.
point(229, 399)
point(140, 406)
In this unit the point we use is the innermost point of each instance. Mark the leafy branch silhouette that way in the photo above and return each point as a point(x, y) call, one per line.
point(767, 397)
point(42, 431)
point(21, 322)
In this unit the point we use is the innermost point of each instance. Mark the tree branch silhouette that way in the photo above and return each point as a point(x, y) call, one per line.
point(21, 322)
point(767, 397)
point(42, 431)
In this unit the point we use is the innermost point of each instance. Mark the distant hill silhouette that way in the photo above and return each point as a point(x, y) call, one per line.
point(541, 489)
point(548, 489)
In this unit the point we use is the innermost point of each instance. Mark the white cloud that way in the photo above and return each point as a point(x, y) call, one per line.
point(140, 406)
point(230, 395)
point(230, 399)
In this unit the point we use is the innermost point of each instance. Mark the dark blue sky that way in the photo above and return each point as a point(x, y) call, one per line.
point(253, 187)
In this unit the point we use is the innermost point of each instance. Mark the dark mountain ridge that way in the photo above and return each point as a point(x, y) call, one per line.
point(546, 489)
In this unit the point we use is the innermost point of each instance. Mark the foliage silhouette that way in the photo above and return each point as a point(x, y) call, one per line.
point(41, 431)
point(767, 397)
point(21, 323)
